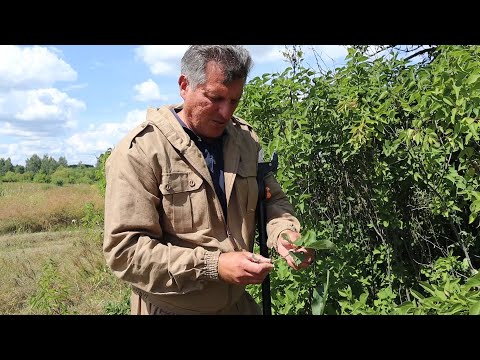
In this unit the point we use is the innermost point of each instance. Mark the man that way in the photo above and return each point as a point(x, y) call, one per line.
point(181, 197)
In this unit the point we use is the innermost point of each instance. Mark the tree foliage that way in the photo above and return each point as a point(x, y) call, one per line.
point(48, 170)
point(381, 157)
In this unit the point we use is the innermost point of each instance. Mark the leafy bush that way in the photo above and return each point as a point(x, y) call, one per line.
point(380, 157)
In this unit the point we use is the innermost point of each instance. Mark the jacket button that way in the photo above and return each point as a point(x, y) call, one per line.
point(192, 183)
point(167, 186)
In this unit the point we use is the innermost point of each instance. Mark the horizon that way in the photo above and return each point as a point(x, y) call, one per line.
point(77, 101)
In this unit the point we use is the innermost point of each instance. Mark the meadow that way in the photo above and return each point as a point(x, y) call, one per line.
point(51, 258)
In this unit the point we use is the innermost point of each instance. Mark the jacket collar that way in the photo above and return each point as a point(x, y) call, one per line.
point(165, 121)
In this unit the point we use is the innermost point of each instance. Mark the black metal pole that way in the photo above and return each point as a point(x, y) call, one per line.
point(262, 231)
point(263, 170)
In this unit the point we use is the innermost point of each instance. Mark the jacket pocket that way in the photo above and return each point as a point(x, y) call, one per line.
point(247, 188)
point(184, 202)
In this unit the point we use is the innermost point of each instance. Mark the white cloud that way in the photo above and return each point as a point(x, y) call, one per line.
point(162, 59)
point(75, 86)
point(20, 151)
point(42, 111)
point(103, 136)
point(10, 130)
point(148, 91)
point(32, 67)
point(83, 146)
point(265, 53)
point(29, 105)
point(71, 124)
point(45, 104)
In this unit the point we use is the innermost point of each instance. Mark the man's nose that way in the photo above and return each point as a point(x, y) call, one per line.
point(226, 110)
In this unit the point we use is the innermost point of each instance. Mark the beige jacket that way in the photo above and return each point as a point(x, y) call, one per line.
point(164, 226)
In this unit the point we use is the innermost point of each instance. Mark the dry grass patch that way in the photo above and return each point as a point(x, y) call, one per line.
point(31, 207)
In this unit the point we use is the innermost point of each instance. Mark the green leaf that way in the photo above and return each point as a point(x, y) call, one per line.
point(321, 245)
point(448, 101)
point(455, 309)
point(441, 295)
point(343, 293)
point(308, 240)
point(320, 294)
point(472, 217)
point(286, 237)
point(474, 281)
point(473, 78)
point(475, 309)
point(475, 206)
point(363, 298)
point(404, 308)
point(417, 295)
point(298, 257)
point(454, 112)
point(416, 176)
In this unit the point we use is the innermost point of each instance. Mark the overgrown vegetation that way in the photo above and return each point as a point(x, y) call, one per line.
point(381, 158)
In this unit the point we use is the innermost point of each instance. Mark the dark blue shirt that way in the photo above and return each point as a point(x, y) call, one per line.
point(213, 154)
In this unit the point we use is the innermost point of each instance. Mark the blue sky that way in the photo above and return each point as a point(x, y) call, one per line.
point(79, 100)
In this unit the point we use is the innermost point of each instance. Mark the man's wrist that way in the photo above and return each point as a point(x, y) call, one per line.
point(211, 265)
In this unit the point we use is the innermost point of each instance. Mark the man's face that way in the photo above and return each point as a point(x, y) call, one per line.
point(208, 109)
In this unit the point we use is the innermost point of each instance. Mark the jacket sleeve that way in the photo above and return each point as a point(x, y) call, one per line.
point(133, 239)
point(280, 213)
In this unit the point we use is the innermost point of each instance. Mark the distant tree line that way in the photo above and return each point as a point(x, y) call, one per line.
point(47, 170)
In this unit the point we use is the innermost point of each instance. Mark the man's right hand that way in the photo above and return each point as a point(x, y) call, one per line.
point(243, 268)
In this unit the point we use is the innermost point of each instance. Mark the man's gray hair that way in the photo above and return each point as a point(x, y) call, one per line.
point(235, 60)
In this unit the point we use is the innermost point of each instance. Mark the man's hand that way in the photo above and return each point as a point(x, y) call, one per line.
point(283, 247)
point(243, 268)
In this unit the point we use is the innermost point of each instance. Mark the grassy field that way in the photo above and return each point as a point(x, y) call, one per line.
point(31, 207)
point(59, 269)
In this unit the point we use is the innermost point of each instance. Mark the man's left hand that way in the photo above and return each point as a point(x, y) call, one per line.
point(284, 247)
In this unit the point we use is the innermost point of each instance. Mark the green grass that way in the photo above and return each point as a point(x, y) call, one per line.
point(49, 264)
point(79, 271)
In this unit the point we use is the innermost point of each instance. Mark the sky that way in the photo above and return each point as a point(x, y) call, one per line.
point(77, 101)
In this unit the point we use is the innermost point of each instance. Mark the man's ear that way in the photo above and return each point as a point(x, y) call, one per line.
point(183, 83)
